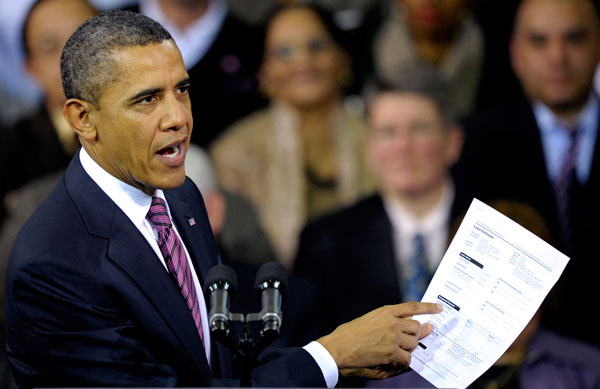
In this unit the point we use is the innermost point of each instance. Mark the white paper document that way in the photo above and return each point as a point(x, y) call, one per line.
point(491, 281)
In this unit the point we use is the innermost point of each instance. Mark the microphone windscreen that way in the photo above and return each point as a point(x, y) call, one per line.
point(272, 271)
point(221, 274)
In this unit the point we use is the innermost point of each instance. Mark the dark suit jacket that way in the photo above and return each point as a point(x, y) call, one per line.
point(89, 304)
point(503, 158)
point(350, 258)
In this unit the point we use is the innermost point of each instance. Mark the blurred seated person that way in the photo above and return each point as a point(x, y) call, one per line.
point(221, 54)
point(240, 238)
point(538, 358)
point(440, 36)
point(541, 147)
point(43, 143)
point(303, 155)
point(384, 248)
point(37, 148)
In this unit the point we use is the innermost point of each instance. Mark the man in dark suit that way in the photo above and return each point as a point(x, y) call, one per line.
point(104, 282)
point(542, 148)
point(361, 257)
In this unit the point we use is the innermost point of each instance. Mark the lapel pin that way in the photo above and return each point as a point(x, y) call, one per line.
point(191, 222)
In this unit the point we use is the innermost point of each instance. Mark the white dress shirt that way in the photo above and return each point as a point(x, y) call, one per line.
point(135, 204)
point(556, 139)
point(433, 226)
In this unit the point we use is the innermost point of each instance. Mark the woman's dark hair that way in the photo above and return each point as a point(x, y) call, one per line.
point(336, 33)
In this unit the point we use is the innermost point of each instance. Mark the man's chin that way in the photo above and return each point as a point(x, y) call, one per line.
point(568, 104)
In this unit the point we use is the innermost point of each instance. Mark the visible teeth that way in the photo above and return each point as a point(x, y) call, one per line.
point(173, 151)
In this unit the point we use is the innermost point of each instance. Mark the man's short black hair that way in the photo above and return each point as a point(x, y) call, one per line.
point(87, 62)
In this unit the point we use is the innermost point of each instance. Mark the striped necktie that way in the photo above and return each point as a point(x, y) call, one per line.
point(175, 258)
point(565, 186)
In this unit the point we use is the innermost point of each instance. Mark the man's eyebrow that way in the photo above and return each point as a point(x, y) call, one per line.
point(153, 91)
point(144, 93)
point(185, 81)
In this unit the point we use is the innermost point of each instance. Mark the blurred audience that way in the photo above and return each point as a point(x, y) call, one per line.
point(43, 143)
point(538, 358)
point(498, 81)
point(19, 94)
point(421, 37)
point(541, 147)
point(385, 248)
point(39, 147)
point(221, 54)
point(239, 236)
point(303, 155)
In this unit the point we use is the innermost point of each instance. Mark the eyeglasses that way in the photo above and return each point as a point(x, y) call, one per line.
point(289, 52)
point(417, 130)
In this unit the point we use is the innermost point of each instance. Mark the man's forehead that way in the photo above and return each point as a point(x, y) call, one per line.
point(153, 66)
point(554, 15)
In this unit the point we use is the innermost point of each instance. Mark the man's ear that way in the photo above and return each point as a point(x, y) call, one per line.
point(77, 113)
point(455, 140)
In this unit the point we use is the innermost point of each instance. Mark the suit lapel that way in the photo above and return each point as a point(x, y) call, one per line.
point(129, 250)
point(382, 267)
point(193, 231)
point(595, 168)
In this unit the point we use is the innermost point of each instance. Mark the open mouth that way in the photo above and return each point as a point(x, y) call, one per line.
point(172, 151)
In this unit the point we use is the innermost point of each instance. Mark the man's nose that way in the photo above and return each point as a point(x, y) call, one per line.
point(557, 52)
point(175, 113)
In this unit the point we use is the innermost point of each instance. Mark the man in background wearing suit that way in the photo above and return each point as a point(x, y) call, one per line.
point(384, 248)
point(542, 148)
point(104, 282)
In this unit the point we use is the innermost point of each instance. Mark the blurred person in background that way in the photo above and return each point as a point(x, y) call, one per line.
point(37, 148)
point(384, 248)
point(43, 143)
point(239, 236)
point(421, 37)
point(303, 155)
point(541, 147)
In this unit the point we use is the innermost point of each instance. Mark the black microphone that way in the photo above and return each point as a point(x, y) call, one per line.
point(221, 285)
point(271, 285)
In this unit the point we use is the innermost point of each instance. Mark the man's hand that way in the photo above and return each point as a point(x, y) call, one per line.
point(378, 344)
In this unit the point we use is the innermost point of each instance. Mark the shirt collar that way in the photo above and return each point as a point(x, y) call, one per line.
point(196, 39)
point(548, 122)
point(433, 221)
point(132, 201)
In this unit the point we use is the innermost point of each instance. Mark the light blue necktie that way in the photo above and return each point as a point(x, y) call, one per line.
point(416, 275)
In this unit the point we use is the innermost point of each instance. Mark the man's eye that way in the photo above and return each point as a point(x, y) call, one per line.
point(537, 40)
point(147, 99)
point(183, 89)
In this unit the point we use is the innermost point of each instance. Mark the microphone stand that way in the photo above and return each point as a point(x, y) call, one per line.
point(247, 340)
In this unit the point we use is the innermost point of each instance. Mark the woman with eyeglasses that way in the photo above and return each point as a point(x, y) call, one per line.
point(303, 155)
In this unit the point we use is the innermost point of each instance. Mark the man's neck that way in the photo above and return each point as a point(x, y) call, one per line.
point(418, 204)
point(183, 13)
point(569, 113)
